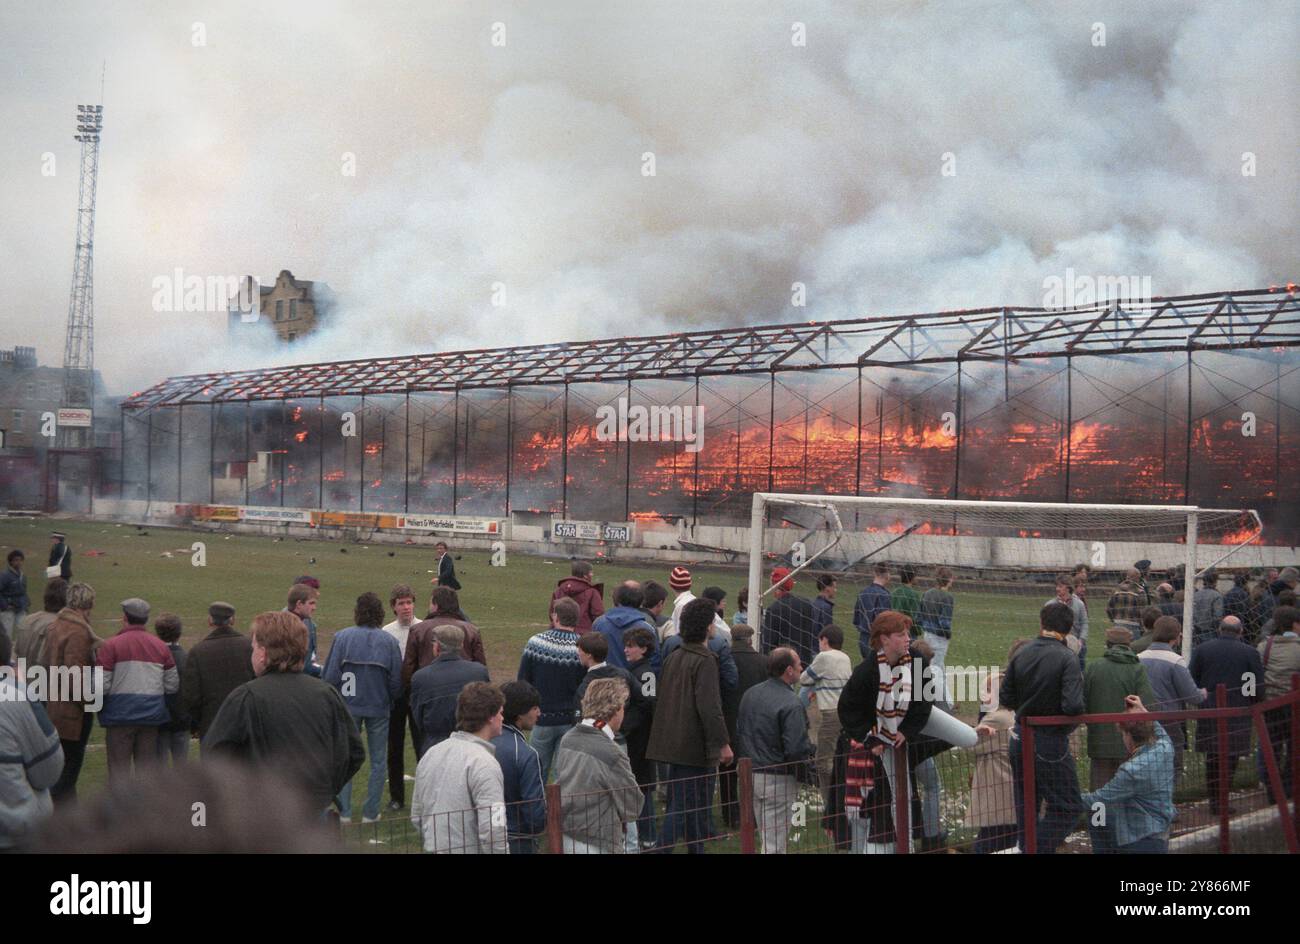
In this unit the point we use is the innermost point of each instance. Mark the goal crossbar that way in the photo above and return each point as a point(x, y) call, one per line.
point(1190, 514)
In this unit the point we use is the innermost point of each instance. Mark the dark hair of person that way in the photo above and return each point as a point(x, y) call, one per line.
point(833, 635)
point(56, 595)
point(477, 704)
point(168, 627)
point(655, 593)
point(400, 592)
point(629, 593)
point(566, 611)
point(520, 698)
point(742, 600)
point(1166, 629)
point(369, 610)
point(581, 568)
point(697, 617)
point(1056, 618)
point(880, 568)
point(907, 573)
point(446, 600)
point(301, 593)
point(14, 555)
point(828, 580)
point(153, 812)
point(640, 637)
point(1149, 616)
point(779, 660)
point(716, 594)
point(1285, 619)
point(595, 645)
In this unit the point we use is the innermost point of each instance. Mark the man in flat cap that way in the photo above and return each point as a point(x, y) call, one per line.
point(215, 667)
point(61, 555)
point(139, 674)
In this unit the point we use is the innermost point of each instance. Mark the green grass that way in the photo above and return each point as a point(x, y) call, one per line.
point(509, 604)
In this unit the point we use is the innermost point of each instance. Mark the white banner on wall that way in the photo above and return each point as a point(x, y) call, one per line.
point(280, 515)
point(452, 523)
point(619, 531)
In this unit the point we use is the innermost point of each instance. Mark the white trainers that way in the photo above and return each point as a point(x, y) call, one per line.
point(367, 819)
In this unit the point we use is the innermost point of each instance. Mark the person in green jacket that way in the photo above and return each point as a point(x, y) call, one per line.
point(905, 599)
point(1106, 683)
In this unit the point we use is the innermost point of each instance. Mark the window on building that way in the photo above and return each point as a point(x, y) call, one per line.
point(293, 309)
point(29, 391)
point(292, 335)
point(279, 311)
point(18, 420)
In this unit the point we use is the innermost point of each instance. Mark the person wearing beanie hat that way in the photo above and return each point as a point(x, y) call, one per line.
point(680, 581)
point(1106, 683)
point(790, 621)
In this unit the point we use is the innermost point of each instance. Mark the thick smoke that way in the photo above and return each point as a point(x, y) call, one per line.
point(522, 164)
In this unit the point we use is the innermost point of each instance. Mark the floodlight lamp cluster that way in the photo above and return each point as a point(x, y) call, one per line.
point(90, 122)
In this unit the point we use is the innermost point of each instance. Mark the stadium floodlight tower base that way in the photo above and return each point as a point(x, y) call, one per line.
point(1016, 547)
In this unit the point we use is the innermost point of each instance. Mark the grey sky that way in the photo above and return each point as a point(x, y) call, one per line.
point(522, 164)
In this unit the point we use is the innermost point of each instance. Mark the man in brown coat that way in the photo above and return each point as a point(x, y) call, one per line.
point(215, 667)
point(70, 644)
point(420, 643)
point(690, 731)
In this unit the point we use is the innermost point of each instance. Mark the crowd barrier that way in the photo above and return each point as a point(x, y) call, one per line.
point(1232, 784)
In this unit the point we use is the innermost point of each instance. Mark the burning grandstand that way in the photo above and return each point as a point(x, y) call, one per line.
point(1186, 400)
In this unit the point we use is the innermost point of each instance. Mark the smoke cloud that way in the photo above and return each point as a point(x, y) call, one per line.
point(908, 157)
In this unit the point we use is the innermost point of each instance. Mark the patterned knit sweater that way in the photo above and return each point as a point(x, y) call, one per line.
point(550, 664)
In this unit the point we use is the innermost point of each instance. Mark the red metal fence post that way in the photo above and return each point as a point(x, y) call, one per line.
point(745, 780)
point(1275, 780)
point(554, 820)
point(902, 787)
point(1031, 798)
point(1294, 750)
point(1225, 774)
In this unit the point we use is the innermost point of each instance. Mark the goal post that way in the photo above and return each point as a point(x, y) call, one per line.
point(1003, 559)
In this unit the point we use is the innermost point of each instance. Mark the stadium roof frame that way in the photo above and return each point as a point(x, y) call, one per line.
point(1254, 318)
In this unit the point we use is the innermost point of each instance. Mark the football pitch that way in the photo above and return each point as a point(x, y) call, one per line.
point(254, 573)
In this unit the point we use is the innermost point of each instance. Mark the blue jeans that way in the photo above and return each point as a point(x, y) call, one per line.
point(377, 747)
point(645, 823)
point(545, 740)
point(687, 813)
point(1055, 780)
point(927, 778)
point(1083, 654)
point(940, 684)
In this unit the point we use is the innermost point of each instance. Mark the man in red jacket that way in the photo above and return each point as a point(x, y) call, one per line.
point(582, 590)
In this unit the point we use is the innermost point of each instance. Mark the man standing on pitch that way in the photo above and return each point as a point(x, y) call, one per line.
point(446, 568)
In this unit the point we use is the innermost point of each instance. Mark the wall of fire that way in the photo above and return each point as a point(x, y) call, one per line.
point(1218, 429)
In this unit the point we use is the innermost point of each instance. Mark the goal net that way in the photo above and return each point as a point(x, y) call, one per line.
point(973, 576)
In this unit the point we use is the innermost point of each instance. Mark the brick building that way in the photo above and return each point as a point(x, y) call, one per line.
point(292, 307)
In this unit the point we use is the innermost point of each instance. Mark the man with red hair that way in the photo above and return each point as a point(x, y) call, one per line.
point(790, 620)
